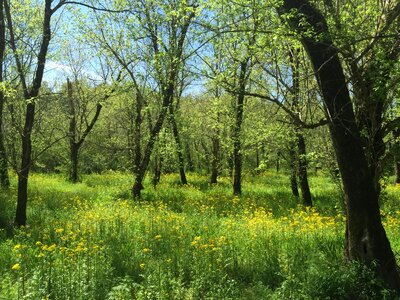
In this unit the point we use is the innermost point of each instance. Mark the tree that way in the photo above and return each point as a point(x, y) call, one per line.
point(233, 66)
point(30, 54)
point(366, 240)
point(4, 180)
point(370, 48)
point(78, 114)
point(178, 22)
point(30, 92)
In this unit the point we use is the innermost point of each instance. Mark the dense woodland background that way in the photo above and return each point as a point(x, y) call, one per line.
point(229, 92)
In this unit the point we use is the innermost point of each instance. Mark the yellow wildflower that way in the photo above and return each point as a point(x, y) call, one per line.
point(158, 237)
point(142, 265)
point(52, 247)
point(16, 267)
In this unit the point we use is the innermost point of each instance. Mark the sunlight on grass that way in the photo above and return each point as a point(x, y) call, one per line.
point(192, 242)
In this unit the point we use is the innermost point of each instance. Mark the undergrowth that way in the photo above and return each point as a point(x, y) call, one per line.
point(91, 241)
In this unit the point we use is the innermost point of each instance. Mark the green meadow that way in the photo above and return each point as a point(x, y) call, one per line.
point(91, 241)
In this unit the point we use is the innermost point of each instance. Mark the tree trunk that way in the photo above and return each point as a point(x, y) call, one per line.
point(293, 169)
point(237, 143)
point(139, 177)
point(4, 179)
point(257, 157)
point(158, 159)
point(23, 173)
point(190, 162)
point(366, 240)
point(138, 133)
point(179, 151)
point(215, 161)
point(278, 157)
point(396, 135)
point(74, 154)
point(303, 177)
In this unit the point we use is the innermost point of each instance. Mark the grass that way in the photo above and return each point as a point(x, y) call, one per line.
point(89, 241)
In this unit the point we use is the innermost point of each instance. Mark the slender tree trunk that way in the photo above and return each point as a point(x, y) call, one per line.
point(303, 177)
point(74, 155)
point(190, 163)
point(366, 240)
point(237, 143)
point(139, 177)
point(215, 161)
point(257, 157)
point(73, 148)
point(396, 135)
point(4, 179)
point(75, 142)
point(138, 133)
point(179, 151)
point(278, 158)
point(23, 173)
point(158, 159)
point(293, 169)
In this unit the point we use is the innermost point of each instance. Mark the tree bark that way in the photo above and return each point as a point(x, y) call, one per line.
point(237, 143)
point(366, 239)
point(278, 157)
point(158, 160)
point(30, 96)
point(303, 176)
point(215, 161)
point(293, 169)
point(4, 179)
point(167, 85)
point(74, 156)
point(76, 142)
point(138, 133)
point(396, 135)
point(178, 144)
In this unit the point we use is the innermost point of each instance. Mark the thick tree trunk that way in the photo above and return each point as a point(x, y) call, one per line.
point(303, 176)
point(293, 169)
point(179, 151)
point(366, 240)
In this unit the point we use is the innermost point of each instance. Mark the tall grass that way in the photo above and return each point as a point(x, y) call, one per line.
point(90, 241)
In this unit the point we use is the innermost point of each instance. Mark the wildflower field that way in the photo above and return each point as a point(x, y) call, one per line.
point(90, 241)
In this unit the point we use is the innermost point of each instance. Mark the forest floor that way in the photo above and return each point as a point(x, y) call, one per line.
point(90, 241)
